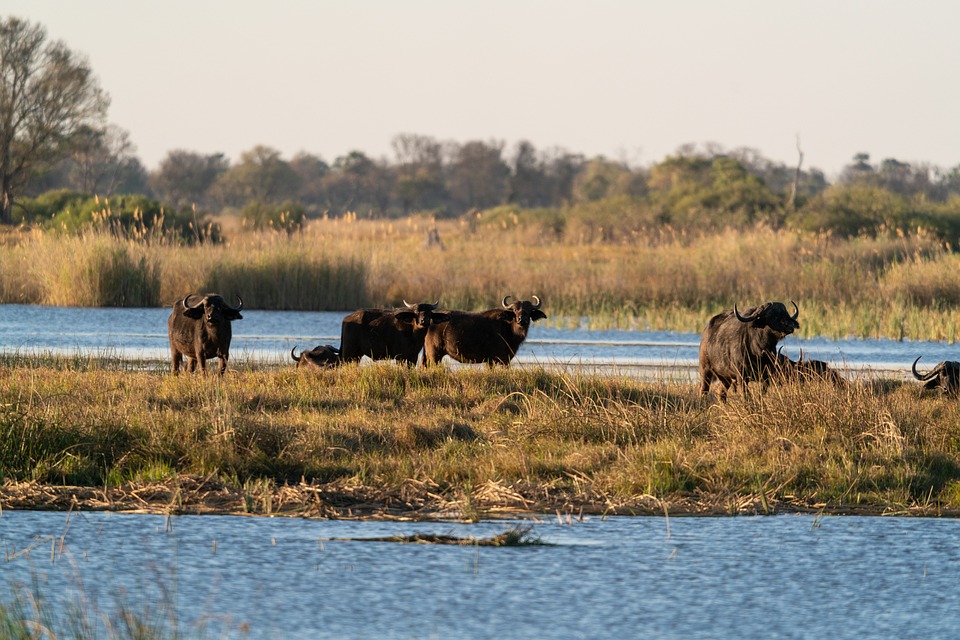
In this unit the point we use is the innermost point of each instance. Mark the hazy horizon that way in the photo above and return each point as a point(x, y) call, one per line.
point(629, 81)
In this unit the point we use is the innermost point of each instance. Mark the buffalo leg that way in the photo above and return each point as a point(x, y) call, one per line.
point(177, 360)
point(223, 364)
point(705, 380)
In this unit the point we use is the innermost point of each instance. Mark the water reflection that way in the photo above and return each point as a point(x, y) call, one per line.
point(780, 576)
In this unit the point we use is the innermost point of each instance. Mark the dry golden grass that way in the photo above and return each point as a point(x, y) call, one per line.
point(389, 440)
point(895, 286)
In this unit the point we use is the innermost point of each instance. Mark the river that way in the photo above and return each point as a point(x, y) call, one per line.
point(791, 576)
point(788, 576)
point(268, 336)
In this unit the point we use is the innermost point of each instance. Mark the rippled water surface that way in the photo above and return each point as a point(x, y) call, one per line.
point(645, 577)
point(269, 336)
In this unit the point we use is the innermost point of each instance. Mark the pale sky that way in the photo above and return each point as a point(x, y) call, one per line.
point(628, 80)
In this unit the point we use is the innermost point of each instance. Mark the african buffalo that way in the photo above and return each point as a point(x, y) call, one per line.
point(491, 336)
point(737, 348)
point(201, 331)
point(320, 357)
point(806, 370)
point(945, 376)
point(384, 334)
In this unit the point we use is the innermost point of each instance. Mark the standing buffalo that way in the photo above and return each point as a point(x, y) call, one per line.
point(491, 336)
point(320, 357)
point(945, 376)
point(202, 331)
point(738, 348)
point(384, 334)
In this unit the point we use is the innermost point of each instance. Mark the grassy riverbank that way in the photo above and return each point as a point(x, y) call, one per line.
point(894, 286)
point(388, 441)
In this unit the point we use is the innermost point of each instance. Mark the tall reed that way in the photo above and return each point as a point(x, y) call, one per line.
point(896, 285)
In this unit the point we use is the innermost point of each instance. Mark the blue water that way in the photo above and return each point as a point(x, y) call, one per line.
point(268, 336)
point(645, 577)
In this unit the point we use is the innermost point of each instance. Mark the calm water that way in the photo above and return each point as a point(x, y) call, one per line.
point(747, 577)
point(269, 336)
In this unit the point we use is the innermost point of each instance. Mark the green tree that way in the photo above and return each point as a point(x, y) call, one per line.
point(420, 184)
point(47, 95)
point(185, 178)
point(478, 174)
point(260, 175)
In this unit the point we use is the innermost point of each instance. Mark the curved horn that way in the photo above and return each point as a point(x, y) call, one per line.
point(917, 375)
point(504, 302)
point(743, 318)
point(184, 302)
point(239, 308)
point(537, 302)
point(796, 310)
point(412, 307)
point(293, 356)
point(435, 304)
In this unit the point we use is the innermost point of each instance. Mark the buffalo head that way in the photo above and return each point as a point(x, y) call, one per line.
point(944, 376)
point(420, 314)
point(213, 309)
point(522, 312)
point(772, 315)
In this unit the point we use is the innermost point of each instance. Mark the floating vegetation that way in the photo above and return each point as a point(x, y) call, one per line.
point(518, 536)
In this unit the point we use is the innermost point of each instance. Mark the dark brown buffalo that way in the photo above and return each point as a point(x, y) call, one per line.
point(491, 336)
point(806, 370)
point(201, 331)
point(320, 357)
point(736, 348)
point(945, 376)
point(383, 334)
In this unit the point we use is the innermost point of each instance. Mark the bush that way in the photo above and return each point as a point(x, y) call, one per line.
point(287, 216)
point(132, 217)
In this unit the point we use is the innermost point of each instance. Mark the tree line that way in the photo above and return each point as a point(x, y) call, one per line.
point(59, 156)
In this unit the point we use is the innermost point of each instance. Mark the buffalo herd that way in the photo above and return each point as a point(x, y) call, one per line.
point(736, 347)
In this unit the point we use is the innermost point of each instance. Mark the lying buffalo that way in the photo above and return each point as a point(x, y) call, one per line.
point(384, 334)
point(201, 331)
point(491, 336)
point(945, 376)
point(807, 370)
point(736, 348)
point(320, 357)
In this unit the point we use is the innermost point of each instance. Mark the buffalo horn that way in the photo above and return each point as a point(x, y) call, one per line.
point(742, 318)
point(918, 376)
point(292, 355)
point(504, 303)
point(240, 306)
point(412, 307)
point(185, 304)
point(536, 300)
point(796, 310)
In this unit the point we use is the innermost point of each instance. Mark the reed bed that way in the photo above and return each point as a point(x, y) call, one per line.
point(380, 440)
point(894, 286)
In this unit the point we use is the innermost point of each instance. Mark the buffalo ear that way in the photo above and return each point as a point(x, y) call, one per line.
point(405, 316)
point(437, 318)
point(536, 314)
point(194, 312)
point(232, 314)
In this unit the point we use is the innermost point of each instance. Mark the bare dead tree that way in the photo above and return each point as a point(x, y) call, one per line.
point(791, 201)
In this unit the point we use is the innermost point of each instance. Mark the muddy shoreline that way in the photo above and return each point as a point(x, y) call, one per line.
point(414, 501)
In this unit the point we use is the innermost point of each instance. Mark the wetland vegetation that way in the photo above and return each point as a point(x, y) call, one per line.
point(381, 440)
